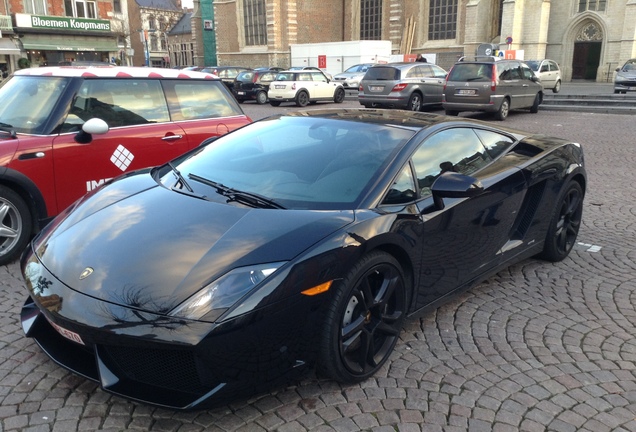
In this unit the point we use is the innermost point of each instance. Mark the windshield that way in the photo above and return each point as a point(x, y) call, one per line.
point(297, 162)
point(26, 102)
point(358, 68)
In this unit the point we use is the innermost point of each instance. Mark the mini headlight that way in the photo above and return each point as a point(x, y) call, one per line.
point(210, 302)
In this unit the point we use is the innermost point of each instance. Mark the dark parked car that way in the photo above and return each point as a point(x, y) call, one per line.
point(410, 86)
point(302, 239)
point(254, 84)
point(625, 79)
point(488, 84)
point(226, 73)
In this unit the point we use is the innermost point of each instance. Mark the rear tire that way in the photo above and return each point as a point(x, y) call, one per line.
point(15, 225)
point(302, 99)
point(504, 109)
point(415, 102)
point(364, 320)
point(565, 224)
point(261, 98)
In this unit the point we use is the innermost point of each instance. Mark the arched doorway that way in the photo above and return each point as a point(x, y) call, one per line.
point(587, 52)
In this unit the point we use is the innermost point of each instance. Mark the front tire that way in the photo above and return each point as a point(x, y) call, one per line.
point(504, 109)
point(535, 105)
point(557, 87)
point(15, 225)
point(274, 103)
point(565, 224)
point(302, 99)
point(339, 96)
point(364, 321)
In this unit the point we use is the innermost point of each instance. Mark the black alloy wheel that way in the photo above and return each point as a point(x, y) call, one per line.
point(339, 95)
point(364, 321)
point(302, 99)
point(565, 224)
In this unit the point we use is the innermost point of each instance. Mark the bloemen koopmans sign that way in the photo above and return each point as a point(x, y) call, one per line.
point(68, 23)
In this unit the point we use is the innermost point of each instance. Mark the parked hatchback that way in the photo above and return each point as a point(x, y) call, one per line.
point(64, 131)
point(625, 79)
point(548, 72)
point(253, 84)
point(304, 87)
point(226, 73)
point(491, 85)
point(410, 86)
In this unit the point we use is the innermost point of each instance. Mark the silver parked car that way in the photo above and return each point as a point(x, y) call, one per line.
point(410, 86)
point(625, 79)
point(548, 72)
point(487, 84)
point(350, 78)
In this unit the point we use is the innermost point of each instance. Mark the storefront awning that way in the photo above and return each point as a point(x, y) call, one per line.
point(8, 47)
point(68, 43)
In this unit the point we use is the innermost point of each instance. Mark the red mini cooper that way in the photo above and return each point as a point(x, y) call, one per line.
point(66, 130)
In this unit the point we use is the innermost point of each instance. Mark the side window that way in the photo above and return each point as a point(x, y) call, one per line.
point(119, 103)
point(199, 99)
point(458, 150)
point(304, 77)
point(413, 73)
point(515, 72)
point(403, 189)
point(494, 142)
point(545, 67)
point(527, 72)
point(318, 76)
point(504, 71)
point(438, 72)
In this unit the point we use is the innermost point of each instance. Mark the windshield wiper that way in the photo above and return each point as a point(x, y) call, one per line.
point(5, 127)
point(181, 179)
point(250, 198)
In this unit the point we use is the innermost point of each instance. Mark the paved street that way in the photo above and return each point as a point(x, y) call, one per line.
point(537, 347)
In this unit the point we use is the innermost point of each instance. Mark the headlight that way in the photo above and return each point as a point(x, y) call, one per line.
point(210, 303)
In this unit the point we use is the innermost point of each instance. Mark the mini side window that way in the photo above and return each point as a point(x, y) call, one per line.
point(119, 103)
point(199, 99)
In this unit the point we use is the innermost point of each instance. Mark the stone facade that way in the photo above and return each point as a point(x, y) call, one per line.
point(588, 44)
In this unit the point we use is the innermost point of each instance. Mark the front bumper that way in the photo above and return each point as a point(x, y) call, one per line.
point(625, 85)
point(162, 360)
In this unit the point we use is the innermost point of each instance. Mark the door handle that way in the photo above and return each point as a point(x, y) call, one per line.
point(172, 137)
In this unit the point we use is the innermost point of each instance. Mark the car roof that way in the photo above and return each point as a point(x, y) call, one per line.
point(112, 72)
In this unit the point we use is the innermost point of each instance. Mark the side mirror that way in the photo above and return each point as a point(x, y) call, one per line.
point(94, 126)
point(454, 185)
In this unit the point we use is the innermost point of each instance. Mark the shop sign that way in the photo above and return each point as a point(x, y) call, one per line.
point(61, 23)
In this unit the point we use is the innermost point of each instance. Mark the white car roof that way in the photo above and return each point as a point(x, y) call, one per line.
point(112, 72)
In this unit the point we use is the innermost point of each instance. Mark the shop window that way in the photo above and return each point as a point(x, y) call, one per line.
point(442, 19)
point(371, 19)
point(254, 22)
point(36, 7)
point(80, 8)
point(593, 5)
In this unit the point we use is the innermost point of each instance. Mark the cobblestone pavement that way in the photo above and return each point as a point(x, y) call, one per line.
point(537, 347)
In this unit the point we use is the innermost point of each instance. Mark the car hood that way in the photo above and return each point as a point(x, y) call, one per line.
point(152, 248)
